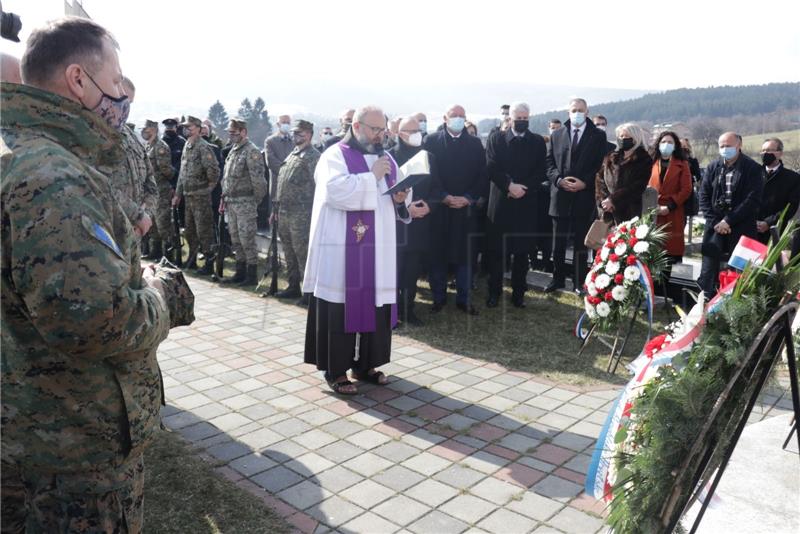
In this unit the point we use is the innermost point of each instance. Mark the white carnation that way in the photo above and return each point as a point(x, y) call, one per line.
point(590, 310)
point(602, 281)
point(632, 273)
point(612, 268)
point(632, 222)
point(621, 248)
point(604, 252)
point(588, 278)
point(591, 289)
point(603, 309)
point(642, 231)
point(619, 293)
point(641, 247)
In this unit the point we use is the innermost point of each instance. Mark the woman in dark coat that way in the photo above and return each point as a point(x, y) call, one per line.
point(622, 179)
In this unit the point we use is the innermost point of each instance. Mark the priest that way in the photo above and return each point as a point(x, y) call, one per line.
point(351, 271)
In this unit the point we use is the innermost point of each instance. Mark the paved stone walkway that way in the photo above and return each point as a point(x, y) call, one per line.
point(452, 444)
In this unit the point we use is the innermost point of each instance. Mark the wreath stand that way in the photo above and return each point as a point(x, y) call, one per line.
point(700, 469)
point(619, 340)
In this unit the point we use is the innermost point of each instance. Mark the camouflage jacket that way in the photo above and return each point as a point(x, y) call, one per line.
point(244, 174)
point(80, 381)
point(132, 178)
point(160, 161)
point(199, 169)
point(296, 177)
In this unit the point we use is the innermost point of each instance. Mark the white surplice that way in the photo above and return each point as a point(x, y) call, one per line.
point(337, 192)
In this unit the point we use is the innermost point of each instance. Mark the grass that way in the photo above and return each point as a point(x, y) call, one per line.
point(184, 494)
point(751, 144)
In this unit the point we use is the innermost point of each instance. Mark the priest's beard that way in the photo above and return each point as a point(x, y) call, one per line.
point(363, 141)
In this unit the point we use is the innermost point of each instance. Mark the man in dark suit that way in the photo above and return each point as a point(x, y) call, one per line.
point(345, 122)
point(574, 156)
point(602, 124)
point(462, 173)
point(730, 196)
point(413, 240)
point(781, 189)
point(515, 161)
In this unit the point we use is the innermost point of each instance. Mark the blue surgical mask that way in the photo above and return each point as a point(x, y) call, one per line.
point(577, 118)
point(727, 152)
point(423, 126)
point(666, 149)
point(285, 127)
point(456, 124)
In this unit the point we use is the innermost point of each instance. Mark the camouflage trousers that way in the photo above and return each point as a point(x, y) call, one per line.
point(162, 222)
point(199, 222)
point(241, 215)
point(294, 226)
point(93, 503)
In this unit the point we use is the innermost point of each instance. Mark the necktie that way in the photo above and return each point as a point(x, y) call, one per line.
point(574, 149)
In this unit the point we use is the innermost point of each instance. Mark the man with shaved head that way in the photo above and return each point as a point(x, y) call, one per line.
point(463, 178)
point(9, 69)
point(730, 196)
point(345, 122)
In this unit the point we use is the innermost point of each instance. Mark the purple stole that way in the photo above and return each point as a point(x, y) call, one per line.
point(359, 263)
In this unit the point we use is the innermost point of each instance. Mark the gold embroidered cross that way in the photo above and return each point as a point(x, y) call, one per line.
point(360, 229)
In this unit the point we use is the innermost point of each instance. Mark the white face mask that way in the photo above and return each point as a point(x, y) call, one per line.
point(577, 118)
point(415, 139)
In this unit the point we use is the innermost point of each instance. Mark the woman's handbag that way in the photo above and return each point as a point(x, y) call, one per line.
point(597, 234)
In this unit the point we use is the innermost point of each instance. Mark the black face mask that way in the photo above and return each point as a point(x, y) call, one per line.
point(170, 133)
point(625, 143)
point(520, 126)
point(768, 158)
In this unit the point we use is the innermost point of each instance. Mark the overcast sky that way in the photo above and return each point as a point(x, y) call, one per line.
point(192, 52)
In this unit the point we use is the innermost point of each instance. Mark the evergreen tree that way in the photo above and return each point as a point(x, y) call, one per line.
point(218, 117)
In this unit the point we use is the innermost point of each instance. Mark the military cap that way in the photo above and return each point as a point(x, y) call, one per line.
point(170, 122)
point(131, 125)
point(192, 120)
point(300, 124)
point(150, 124)
point(237, 123)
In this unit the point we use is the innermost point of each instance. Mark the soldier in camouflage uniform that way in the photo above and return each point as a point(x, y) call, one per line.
point(243, 187)
point(198, 177)
point(295, 200)
point(81, 321)
point(158, 154)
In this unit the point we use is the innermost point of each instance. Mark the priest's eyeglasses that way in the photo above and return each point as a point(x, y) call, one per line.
point(374, 129)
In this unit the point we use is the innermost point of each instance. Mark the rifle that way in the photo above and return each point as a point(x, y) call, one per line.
point(273, 262)
point(223, 247)
point(177, 244)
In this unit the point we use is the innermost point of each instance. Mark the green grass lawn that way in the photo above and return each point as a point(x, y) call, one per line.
point(183, 495)
point(751, 144)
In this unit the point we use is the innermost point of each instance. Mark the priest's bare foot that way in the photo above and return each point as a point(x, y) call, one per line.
point(343, 386)
point(372, 376)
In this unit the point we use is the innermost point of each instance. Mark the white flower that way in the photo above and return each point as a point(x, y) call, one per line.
point(631, 273)
point(632, 222)
point(619, 293)
point(641, 247)
point(604, 252)
point(621, 248)
point(597, 267)
point(603, 309)
point(591, 289)
point(602, 281)
point(590, 310)
point(612, 268)
point(642, 231)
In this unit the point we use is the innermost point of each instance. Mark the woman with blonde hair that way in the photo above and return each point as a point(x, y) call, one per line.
point(622, 179)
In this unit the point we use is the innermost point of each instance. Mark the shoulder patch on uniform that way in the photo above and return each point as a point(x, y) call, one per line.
point(162, 151)
point(101, 234)
point(255, 155)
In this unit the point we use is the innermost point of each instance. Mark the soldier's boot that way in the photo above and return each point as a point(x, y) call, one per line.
point(156, 250)
point(241, 268)
point(191, 261)
point(304, 300)
point(291, 292)
point(250, 277)
point(208, 266)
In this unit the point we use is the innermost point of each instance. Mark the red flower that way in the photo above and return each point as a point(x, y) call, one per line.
point(632, 231)
point(594, 276)
point(613, 257)
point(632, 241)
point(619, 278)
point(608, 296)
point(623, 229)
point(631, 260)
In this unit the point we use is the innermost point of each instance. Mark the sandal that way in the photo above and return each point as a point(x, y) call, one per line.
point(339, 387)
point(377, 378)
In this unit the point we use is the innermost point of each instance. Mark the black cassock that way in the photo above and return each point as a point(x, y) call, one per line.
point(461, 164)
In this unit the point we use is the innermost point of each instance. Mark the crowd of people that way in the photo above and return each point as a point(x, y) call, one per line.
point(81, 196)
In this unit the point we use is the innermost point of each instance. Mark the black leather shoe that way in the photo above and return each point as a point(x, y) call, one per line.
point(492, 302)
point(580, 292)
point(554, 286)
point(469, 309)
point(518, 302)
point(413, 320)
point(437, 307)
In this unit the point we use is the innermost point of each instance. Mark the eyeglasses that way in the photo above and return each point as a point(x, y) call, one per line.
point(374, 129)
point(410, 131)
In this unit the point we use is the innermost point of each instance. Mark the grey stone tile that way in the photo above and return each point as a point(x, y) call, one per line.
point(432, 492)
point(518, 442)
point(367, 494)
point(367, 464)
point(342, 428)
point(291, 427)
point(304, 494)
point(371, 523)
point(427, 463)
point(535, 506)
point(494, 490)
point(574, 442)
point(398, 478)
point(401, 510)
point(221, 392)
point(557, 488)
point(252, 464)
point(479, 413)
point(338, 478)
point(508, 380)
point(470, 441)
point(544, 403)
point(465, 379)
point(457, 422)
point(467, 508)
point(368, 439)
point(276, 479)
point(310, 464)
point(198, 432)
point(405, 403)
point(574, 521)
point(210, 411)
point(507, 522)
point(229, 450)
point(579, 464)
point(283, 451)
point(527, 413)
point(261, 438)
point(313, 439)
point(505, 422)
point(396, 451)
point(258, 411)
point(425, 395)
point(438, 522)
point(334, 511)
point(459, 477)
